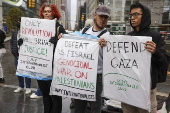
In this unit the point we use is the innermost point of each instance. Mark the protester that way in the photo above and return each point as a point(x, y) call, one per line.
point(52, 104)
point(14, 50)
point(140, 20)
point(2, 52)
point(15, 42)
point(101, 16)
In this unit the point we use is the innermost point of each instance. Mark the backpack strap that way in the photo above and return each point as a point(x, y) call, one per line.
point(85, 29)
point(103, 32)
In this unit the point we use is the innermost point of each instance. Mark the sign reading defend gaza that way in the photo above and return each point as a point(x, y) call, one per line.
point(36, 52)
point(75, 69)
point(126, 70)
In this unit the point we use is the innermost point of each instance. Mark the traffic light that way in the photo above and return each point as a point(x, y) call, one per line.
point(31, 3)
point(82, 17)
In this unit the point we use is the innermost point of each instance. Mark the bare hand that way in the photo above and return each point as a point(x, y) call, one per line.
point(102, 42)
point(150, 46)
point(60, 35)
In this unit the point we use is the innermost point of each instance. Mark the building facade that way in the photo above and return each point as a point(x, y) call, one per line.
point(119, 20)
point(69, 15)
point(29, 12)
point(5, 6)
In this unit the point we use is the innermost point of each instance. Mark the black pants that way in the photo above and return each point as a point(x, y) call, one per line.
point(80, 105)
point(168, 104)
point(52, 103)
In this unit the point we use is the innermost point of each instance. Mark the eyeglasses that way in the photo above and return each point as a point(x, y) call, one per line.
point(46, 11)
point(135, 15)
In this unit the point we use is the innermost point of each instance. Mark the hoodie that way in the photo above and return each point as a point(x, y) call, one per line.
point(159, 60)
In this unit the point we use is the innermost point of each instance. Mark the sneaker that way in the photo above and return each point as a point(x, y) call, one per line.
point(28, 91)
point(35, 96)
point(19, 89)
point(2, 81)
point(72, 105)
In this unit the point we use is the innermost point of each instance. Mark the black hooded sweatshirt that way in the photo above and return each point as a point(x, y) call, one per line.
point(159, 60)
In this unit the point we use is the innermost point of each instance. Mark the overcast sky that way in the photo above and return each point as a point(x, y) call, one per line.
point(73, 13)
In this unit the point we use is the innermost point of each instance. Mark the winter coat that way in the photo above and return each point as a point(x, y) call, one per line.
point(160, 58)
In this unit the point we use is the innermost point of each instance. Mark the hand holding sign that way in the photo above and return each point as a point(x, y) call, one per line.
point(20, 41)
point(60, 35)
point(150, 46)
point(102, 42)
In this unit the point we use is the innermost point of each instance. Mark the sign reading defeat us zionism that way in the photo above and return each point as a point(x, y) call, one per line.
point(126, 70)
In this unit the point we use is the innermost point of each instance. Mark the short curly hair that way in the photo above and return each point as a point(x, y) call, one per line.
point(55, 12)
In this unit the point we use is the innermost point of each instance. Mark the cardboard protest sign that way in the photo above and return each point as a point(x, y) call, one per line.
point(36, 52)
point(126, 70)
point(75, 68)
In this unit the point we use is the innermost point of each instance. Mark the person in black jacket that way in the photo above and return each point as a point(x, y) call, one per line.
point(15, 51)
point(140, 20)
point(2, 52)
point(14, 44)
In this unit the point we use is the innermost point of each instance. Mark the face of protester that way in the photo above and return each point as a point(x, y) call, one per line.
point(136, 17)
point(47, 13)
point(100, 21)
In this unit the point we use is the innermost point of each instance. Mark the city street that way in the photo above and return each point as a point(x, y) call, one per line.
point(21, 103)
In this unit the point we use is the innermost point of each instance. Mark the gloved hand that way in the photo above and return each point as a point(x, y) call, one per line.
point(53, 40)
point(20, 41)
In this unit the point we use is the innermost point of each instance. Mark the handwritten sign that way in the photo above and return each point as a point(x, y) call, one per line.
point(126, 70)
point(75, 69)
point(36, 52)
